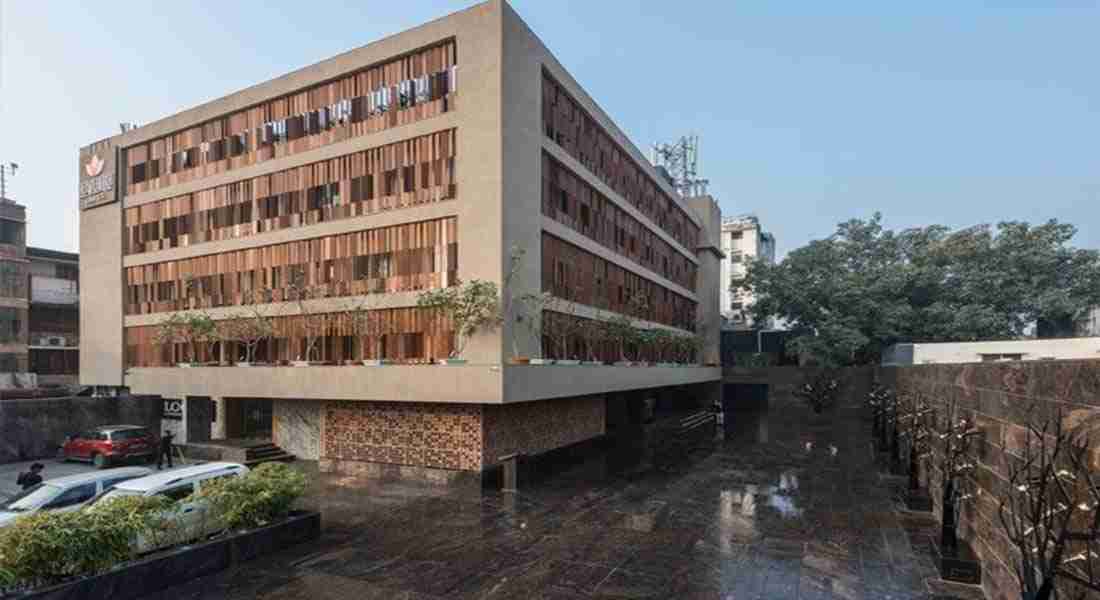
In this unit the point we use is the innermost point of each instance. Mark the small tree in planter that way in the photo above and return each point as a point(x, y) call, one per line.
point(248, 328)
point(471, 307)
point(564, 327)
point(312, 324)
point(955, 464)
point(620, 330)
point(533, 307)
point(662, 341)
point(368, 325)
point(593, 334)
point(193, 330)
point(819, 391)
point(517, 309)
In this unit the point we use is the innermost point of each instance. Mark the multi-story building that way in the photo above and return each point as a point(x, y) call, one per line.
point(13, 289)
point(743, 241)
point(54, 325)
point(413, 163)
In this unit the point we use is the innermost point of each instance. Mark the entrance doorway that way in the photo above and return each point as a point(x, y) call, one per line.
point(248, 418)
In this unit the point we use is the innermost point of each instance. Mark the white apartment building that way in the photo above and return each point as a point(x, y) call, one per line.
point(743, 241)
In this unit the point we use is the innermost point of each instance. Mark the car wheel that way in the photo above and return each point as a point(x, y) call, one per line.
point(99, 461)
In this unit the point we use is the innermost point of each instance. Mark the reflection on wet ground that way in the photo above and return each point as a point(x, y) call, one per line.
point(788, 505)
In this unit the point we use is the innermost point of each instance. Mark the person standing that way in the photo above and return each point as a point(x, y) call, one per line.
point(31, 478)
point(165, 450)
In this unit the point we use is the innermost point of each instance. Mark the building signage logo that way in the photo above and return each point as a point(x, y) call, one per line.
point(94, 166)
point(173, 410)
point(97, 177)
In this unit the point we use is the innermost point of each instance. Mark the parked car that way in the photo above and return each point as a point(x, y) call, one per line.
point(66, 493)
point(111, 444)
point(192, 518)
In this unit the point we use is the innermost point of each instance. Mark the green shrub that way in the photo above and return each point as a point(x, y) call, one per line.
point(263, 496)
point(48, 547)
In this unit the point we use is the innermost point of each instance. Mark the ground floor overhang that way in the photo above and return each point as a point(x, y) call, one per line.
point(458, 384)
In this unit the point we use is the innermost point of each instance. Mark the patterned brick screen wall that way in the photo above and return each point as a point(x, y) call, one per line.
point(454, 436)
point(442, 436)
point(1000, 397)
point(536, 427)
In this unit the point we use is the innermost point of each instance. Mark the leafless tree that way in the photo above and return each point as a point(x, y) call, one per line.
point(956, 462)
point(1051, 512)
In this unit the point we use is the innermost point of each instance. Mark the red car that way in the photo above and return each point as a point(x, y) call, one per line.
point(111, 444)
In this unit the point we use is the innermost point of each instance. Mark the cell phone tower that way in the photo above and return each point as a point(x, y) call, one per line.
point(680, 160)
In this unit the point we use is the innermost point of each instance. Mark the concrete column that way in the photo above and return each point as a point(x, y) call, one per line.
point(708, 284)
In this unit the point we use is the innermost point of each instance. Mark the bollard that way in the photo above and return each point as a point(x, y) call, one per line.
point(510, 477)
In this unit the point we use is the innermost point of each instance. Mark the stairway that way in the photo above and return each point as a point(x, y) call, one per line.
point(265, 452)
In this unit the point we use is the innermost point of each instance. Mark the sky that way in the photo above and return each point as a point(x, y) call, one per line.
point(808, 113)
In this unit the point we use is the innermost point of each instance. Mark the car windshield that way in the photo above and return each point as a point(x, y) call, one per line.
point(31, 498)
point(114, 493)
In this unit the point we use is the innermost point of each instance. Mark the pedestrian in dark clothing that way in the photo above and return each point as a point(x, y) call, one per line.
point(31, 478)
point(165, 450)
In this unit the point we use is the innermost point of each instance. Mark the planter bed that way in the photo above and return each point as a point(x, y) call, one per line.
point(179, 565)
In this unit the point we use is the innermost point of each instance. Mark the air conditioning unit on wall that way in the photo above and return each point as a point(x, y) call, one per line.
point(53, 340)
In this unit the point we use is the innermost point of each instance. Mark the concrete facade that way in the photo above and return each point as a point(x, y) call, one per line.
point(967, 352)
point(743, 241)
point(497, 120)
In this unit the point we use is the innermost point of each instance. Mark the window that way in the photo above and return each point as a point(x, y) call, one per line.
point(735, 235)
point(112, 482)
point(564, 202)
point(585, 218)
point(12, 232)
point(389, 183)
point(73, 496)
point(178, 492)
point(11, 324)
point(736, 258)
point(137, 173)
point(408, 179)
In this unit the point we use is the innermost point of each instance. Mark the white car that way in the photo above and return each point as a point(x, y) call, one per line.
point(66, 493)
point(192, 518)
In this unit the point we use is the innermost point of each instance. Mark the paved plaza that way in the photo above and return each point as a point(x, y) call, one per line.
point(788, 505)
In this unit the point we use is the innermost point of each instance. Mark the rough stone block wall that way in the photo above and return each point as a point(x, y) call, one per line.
point(537, 427)
point(1001, 398)
point(296, 427)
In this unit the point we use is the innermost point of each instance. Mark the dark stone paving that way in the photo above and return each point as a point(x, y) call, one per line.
point(790, 505)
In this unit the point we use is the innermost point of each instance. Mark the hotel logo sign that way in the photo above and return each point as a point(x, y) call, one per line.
point(97, 175)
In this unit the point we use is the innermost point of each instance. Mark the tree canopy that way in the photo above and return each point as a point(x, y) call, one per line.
point(865, 287)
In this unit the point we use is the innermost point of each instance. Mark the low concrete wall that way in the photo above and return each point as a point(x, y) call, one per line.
point(35, 427)
point(782, 381)
point(1000, 398)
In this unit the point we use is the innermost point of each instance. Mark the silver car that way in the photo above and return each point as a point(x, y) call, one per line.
point(66, 493)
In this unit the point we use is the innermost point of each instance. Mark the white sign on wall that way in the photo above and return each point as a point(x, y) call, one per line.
point(51, 290)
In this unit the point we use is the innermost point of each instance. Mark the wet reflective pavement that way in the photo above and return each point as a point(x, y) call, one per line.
point(788, 505)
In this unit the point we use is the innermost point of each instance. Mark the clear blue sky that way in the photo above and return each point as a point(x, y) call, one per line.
point(809, 113)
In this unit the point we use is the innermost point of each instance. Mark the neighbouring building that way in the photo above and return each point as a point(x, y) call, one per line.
point(743, 241)
point(13, 293)
point(54, 326)
point(969, 352)
point(38, 308)
point(413, 163)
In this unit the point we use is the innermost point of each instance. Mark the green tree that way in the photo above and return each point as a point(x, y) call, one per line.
point(865, 287)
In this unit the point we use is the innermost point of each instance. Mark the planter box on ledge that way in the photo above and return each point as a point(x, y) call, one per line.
point(568, 363)
point(541, 361)
point(453, 361)
point(177, 566)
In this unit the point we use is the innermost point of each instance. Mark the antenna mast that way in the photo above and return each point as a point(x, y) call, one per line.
point(681, 160)
point(5, 171)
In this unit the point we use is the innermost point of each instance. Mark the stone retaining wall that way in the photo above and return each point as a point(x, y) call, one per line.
point(1001, 398)
point(33, 428)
